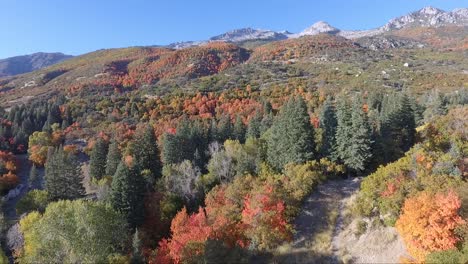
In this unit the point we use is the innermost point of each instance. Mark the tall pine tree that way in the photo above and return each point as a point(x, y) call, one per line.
point(113, 158)
point(128, 193)
point(63, 176)
point(253, 129)
point(328, 124)
point(292, 135)
point(146, 154)
point(343, 130)
point(359, 150)
point(97, 163)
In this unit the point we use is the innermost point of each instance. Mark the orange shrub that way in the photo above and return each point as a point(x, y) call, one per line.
point(427, 223)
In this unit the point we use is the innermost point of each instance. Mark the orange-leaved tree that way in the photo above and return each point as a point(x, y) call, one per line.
point(265, 219)
point(428, 221)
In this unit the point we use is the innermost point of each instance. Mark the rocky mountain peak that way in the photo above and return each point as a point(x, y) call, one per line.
point(319, 27)
point(429, 10)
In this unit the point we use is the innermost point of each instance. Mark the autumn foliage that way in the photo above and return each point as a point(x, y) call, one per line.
point(428, 221)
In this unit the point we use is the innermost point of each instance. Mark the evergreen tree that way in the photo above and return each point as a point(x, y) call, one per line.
point(63, 177)
point(171, 154)
point(113, 158)
point(292, 135)
point(97, 163)
point(239, 130)
point(127, 193)
point(343, 130)
point(397, 129)
point(267, 122)
point(253, 129)
point(34, 179)
point(137, 255)
point(328, 124)
point(146, 154)
point(224, 129)
point(359, 150)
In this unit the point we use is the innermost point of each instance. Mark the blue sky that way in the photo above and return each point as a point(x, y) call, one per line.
point(80, 26)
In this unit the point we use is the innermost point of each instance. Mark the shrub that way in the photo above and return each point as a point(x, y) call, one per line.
point(35, 200)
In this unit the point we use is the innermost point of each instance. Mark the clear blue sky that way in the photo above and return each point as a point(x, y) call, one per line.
point(80, 26)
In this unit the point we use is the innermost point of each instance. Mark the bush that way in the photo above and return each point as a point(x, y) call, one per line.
point(35, 200)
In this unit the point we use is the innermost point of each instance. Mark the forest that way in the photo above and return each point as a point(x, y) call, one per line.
point(211, 177)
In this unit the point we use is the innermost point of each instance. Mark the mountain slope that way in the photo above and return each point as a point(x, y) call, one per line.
point(125, 68)
point(28, 63)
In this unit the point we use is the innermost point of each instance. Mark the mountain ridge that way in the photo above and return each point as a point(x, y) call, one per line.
point(27, 63)
point(426, 17)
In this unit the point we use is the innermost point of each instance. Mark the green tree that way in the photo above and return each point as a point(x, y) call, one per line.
point(328, 124)
point(34, 179)
point(146, 154)
point(292, 135)
point(113, 158)
point(238, 130)
point(343, 130)
point(72, 232)
point(63, 177)
point(128, 192)
point(97, 163)
point(360, 142)
point(253, 129)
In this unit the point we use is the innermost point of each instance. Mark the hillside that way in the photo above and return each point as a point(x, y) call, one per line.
point(28, 63)
point(255, 146)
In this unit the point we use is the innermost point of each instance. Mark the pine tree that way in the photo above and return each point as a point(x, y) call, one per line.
point(360, 150)
point(127, 193)
point(292, 135)
point(397, 129)
point(253, 129)
point(113, 158)
point(343, 130)
point(239, 130)
point(63, 177)
point(97, 163)
point(137, 255)
point(224, 130)
point(328, 124)
point(34, 179)
point(146, 154)
point(267, 122)
point(171, 154)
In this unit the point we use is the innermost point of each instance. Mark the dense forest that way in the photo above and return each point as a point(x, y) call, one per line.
point(220, 176)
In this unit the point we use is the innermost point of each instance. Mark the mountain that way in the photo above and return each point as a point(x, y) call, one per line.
point(318, 28)
point(28, 63)
point(244, 34)
point(425, 17)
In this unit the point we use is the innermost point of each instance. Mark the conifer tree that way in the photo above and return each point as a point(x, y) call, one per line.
point(146, 154)
point(266, 123)
point(292, 135)
point(34, 180)
point(128, 191)
point(360, 150)
point(239, 130)
point(113, 158)
point(224, 129)
point(63, 177)
point(97, 163)
point(253, 129)
point(343, 130)
point(328, 124)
